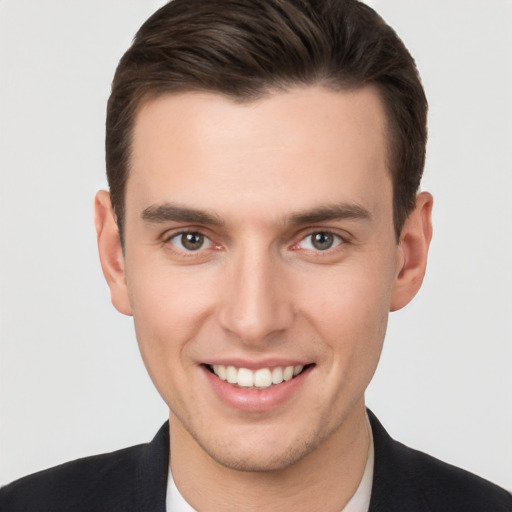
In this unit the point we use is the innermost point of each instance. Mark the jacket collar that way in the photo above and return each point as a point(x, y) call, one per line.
point(151, 476)
point(395, 487)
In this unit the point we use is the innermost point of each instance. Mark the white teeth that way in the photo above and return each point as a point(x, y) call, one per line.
point(231, 374)
point(220, 371)
point(277, 375)
point(288, 373)
point(261, 378)
point(245, 378)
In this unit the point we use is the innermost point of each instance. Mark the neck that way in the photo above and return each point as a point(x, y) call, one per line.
point(331, 472)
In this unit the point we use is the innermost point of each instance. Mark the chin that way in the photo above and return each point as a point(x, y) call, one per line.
point(259, 462)
point(261, 455)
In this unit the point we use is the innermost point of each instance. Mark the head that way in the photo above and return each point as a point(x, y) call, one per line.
point(248, 49)
point(264, 159)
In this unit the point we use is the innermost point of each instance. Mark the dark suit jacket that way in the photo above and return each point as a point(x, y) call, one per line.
point(135, 480)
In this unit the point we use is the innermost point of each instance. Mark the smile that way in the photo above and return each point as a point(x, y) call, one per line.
point(261, 378)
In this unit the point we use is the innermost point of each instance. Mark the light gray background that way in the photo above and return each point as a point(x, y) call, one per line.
point(71, 380)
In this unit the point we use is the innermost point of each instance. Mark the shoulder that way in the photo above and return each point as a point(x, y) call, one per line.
point(76, 485)
point(403, 475)
point(132, 479)
point(444, 485)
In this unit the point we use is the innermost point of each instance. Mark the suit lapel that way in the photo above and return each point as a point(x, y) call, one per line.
point(151, 476)
point(395, 488)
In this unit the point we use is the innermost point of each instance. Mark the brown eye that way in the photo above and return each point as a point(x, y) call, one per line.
point(190, 241)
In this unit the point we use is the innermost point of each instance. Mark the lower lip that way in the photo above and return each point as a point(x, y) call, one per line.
point(256, 400)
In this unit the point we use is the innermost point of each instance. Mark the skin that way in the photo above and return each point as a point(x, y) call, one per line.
point(258, 290)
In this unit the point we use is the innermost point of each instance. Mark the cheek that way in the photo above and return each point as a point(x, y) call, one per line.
point(168, 308)
point(349, 307)
point(162, 296)
point(347, 290)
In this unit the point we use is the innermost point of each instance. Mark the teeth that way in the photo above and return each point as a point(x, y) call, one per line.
point(245, 378)
point(220, 371)
point(288, 373)
point(277, 375)
point(262, 378)
point(231, 374)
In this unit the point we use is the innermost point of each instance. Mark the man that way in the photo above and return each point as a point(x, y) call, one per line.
point(263, 218)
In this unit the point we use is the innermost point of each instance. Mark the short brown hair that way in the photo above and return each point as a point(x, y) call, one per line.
point(248, 48)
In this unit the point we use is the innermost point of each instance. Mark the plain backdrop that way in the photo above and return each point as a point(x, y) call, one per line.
point(71, 380)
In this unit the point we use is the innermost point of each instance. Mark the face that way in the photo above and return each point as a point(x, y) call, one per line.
point(260, 265)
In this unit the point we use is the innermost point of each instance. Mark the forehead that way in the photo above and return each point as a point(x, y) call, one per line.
point(306, 143)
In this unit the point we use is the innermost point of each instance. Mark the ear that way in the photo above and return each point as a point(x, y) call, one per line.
point(111, 252)
point(413, 250)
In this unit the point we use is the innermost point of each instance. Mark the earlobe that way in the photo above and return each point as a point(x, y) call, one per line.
point(413, 251)
point(111, 252)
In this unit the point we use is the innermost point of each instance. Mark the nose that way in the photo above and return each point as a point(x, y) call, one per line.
point(256, 303)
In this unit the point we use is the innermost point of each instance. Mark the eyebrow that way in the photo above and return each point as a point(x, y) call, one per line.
point(171, 212)
point(342, 211)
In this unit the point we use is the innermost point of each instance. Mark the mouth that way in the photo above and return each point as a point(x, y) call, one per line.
point(261, 378)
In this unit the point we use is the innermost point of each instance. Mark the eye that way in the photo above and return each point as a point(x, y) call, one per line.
point(190, 241)
point(320, 241)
